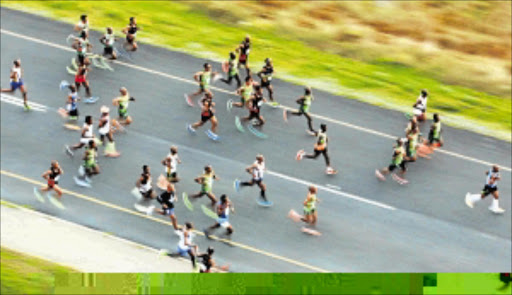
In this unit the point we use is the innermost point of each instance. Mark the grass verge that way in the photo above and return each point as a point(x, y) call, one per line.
point(384, 83)
point(24, 274)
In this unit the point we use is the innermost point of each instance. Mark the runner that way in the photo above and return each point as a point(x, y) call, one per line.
point(310, 216)
point(171, 165)
point(232, 71)
point(71, 110)
point(16, 82)
point(167, 200)
point(52, 179)
point(203, 78)
point(90, 166)
point(144, 184)
point(257, 169)
point(207, 114)
point(434, 136)
point(491, 187)
point(420, 107)
point(81, 79)
point(207, 262)
point(108, 41)
point(185, 245)
point(122, 102)
point(105, 130)
point(222, 209)
point(243, 49)
point(245, 93)
point(305, 103)
point(206, 182)
point(255, 107)
point(87, 135)
point(82, 46)
point(131, 32)
point(266, 78)
point(83, 24)
point(320, 148)
point(412, 144)
point(396, 161)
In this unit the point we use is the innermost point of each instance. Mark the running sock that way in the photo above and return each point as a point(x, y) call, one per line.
point(495, 204)
point(262, 193)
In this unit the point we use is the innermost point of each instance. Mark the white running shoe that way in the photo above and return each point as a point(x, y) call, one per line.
point(468, 201)
point(497, 210)
point(150, 210)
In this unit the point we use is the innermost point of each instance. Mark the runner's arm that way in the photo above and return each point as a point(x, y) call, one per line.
point(45, 174)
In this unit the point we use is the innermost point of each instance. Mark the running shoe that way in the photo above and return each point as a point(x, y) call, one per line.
point(69, 152)
point(150, 210)
point(190, 129)
point(207, 234)
point(468, 201)
point(229, 105)
point(497, 210)
point(379, 175)
point(27, 108)
point(300, 154)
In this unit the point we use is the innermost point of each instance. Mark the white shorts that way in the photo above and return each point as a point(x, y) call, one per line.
point(103, 131)
point(85, 140)
point(224, 222)
point(417, 112)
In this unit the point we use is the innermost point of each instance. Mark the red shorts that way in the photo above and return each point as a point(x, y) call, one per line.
point(79, 79)
point(51, 183)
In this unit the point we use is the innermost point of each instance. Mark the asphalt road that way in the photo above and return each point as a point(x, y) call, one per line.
point(367, 226)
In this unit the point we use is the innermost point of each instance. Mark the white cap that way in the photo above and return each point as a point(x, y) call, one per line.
point(104, 109)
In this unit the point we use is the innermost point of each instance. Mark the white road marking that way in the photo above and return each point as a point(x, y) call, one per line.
point(338, 122)
point(336, 192)
point(333, 186)
point(19, 102)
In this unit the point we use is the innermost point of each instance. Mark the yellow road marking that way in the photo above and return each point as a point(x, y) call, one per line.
point(129, 211)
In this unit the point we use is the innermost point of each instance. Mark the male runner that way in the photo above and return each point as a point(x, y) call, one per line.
point(203, 78)
point(207, 262)
point(420, 107)
point(310, 215)
point(185, 245)
point(90, 166)
point(108, 41)
point(412, 144)
point(434, 136)
point(257, 169)
point(304, 105)
point(491, 187)
point(71, 104)
point(105, 132)
point(167, 200)
point(171, 165)
point(266, 77)
point(131, 32)
point(122, 102)
point(83, 24)
point(243, 49)
point(254, 106)
point(396, 161)
point(144, 184)
point(207, 114)
point(52, 179)
point(320, 148)
point(206, 182)
point(232, 71)
point(82, 46)
point(81, 79)
point(245, 93)
point(16, 82)
point(222, 209)
point(87, 135)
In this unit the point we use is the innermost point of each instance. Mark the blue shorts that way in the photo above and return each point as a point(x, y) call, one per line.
point(16, 85)
point(168, 212)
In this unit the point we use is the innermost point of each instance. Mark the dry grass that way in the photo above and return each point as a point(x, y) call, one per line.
point(466, 43)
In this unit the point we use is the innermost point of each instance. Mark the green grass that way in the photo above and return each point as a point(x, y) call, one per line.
point(382, 82)
point(23, 274)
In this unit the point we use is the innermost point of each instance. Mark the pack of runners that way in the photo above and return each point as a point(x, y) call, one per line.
point(251, 93)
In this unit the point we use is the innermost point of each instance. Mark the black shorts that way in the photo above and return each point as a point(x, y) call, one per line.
point(392, 167)
point(108, 50)
point(81, 59)
point(172, 175)
point(205, 119)
point(489, 190)
point(254, 115)
point(73, 113)
point(265, 83)
point(130, 38)
point(148, 194)
point(431, 138)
